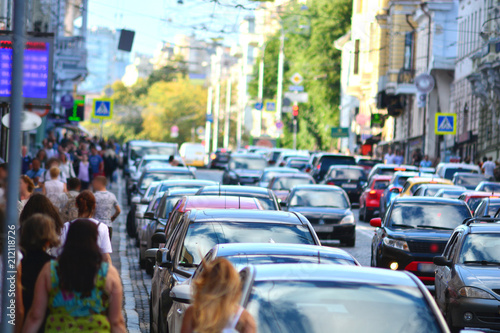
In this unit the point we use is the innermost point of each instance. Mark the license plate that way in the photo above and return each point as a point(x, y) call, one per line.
point(349, 185)
point(323, 228)
point(426, 268)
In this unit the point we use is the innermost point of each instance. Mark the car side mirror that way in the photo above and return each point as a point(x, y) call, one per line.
point(151, 254)
point(163, 258)
point(395, 190)
point(181, 293)
point(159, 238)
point(376, 222)
point(149, 215)
point(442, 261)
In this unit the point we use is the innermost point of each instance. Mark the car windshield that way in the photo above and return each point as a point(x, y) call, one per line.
point(140, 151)
point(243, 260)
point(474, 202)
point(201, 237)
point(493, 209)
point(166, 187)
point(315, 198)
point(296, 164)
point(247, 163)
point(312, 306)
point(381, 185)
point(287, 183)
point(449, 172)
point(472, 180)
point(347, 174)
point(370, 163)
point(159, 176)
point(431, 191)
point(267, 176)
point(481, 247)
point(428, 215)
point(490, 187)
point(449, 194)
point(328, 161)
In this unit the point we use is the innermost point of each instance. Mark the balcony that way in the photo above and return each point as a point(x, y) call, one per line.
point(405, 83)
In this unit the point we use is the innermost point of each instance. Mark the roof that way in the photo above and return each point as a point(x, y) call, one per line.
point(484, 228)
point(248, 155)
point(402, 167)
point(233, 190)
point(293, 175)
point(480, 194)
point(155, 157)
point(446, 186)
point(429, 180)
point(468, 174)
point(186, 182)
point(431, 200)
point(341, 273)
point(243, 215)
point(166, 168)
point(458, 165)
point(281, 170)
point(343, 166)
point(182, 192)
point(225, 250)
point(317, 187)
point(381, 177)
point(216, 202)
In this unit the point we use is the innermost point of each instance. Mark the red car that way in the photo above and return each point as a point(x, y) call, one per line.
point(369, 202)
point(473, 198)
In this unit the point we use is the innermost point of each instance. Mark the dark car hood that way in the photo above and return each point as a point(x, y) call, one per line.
point(248, 173)
point(321, 212)
point(479, 276)
point(426, 235)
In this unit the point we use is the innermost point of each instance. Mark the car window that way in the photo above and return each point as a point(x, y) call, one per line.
point(473, 203)
point(284, 183)
point(481, 247)
point(479, 211)
point(347, 174)
point(406, 186)
point(448, 174)
point(381, 185)
point(449, 246)
point(174, 222)
point(243, 260)
point(327, 161)
point(307, 198)
point(493, 209)
point(418, 192)
point(429, 215)
point(247, 163)
point(491, 188)
point(402, 180)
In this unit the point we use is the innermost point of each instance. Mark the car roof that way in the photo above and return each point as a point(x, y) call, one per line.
point(381, 177)
point(255, 191)
point(432, 200)
point(342, 166)
point(405, 174)
point(187, 182)
point(166, 168)
point(217, 202)
point(281, 170)
point(293, 175)
point(317, 187)
point(480, 194)
point(245, 215)
point(395, 166)
point(458, 165)
point(155, 157)
point(429, 180)
point(340, 273)
point(488, 182)
point(468, 174)
point(233, 249)
point(480, 228)
point(248, 155)
point(455, 187)
point(181, 192)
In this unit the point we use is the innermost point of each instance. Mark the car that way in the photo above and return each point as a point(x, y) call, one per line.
point(270, 172)
point(429, 190)
point(273, 154)
point(413, 231)
point(390, 169)
point(286, 155)
point(473, 198)
point(487, 186)
point(367, 163)
point(266, 197)
point(156, 173)
point(427, 170)
point(219, 159)
point(487, 207)
point(447, 170)
point(138, 207)
point(467, 179)
point(450, 194)
point(136, 149)
point(282, 184)
point(338, 298)
point(323, 161)
point(131, 152)
point(328, 210)
point(468, 276)
point(244, 254)
point(193, 154)
point(351, 178)
point(369, 202)
point(412, 184)
point(394, 189)
point(244, 169)
point(200, 230)
point(299, 163)
point(179, 184)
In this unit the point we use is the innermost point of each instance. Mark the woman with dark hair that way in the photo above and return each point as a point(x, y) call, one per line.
point(40, 204)
point(79, 292)
point(37, 236)
point(42, 157)
point(85, 202)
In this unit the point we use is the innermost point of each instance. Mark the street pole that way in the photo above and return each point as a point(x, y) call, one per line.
point(215, 141)
point(281, 65)
point(295, 127)
point(260, 95)
point(9, 242)
point(207, 123)
point(238, 129)
point(228, 112)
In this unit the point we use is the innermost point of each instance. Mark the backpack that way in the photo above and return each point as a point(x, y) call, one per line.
point(69, 211)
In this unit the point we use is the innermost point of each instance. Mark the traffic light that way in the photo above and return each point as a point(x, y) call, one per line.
point(377, 120)
point(295, 110)
point(290, 126)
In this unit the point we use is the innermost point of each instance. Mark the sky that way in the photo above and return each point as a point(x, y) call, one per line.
point(155, 21)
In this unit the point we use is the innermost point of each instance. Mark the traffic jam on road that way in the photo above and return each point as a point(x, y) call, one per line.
point(434, 251)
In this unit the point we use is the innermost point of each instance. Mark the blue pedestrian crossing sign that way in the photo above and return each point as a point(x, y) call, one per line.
point(102, 108)
point(446, 123)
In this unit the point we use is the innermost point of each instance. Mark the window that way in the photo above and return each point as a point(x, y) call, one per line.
point(356, 57)
point(408, 57)
point(451, 242)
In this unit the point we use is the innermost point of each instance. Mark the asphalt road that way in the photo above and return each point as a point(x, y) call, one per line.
point(364, 231)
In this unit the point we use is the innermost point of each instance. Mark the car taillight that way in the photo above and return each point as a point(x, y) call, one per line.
point(331, 183)
point(308, 170)
point(373, 192)
point(319, 166)
point(213, 156)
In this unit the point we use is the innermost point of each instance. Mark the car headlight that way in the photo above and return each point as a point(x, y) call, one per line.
point(398, 244)
point(349, 219)
point(474, 293)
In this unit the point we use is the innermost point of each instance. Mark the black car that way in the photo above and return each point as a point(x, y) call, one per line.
point(244, 169)
point(200, 230)
point(350, 178)
point(328, 210)
point(468, 276)
point(487, 207)
point(413, 232)
point(323, 162)
point(266, 197)
point(219, 159)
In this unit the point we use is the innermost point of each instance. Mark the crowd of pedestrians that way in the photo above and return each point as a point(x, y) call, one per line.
point(67, 282)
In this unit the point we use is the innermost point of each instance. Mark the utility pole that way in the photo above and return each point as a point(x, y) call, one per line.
point(9, 243)
point(238, 128)
point(228, 112)
point(281, 65)
point(218, 68)
point(207, 122)
point(260, 96)
point(295, 110)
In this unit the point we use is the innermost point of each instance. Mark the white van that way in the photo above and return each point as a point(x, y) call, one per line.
point(447, 170)
point(193, 154)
